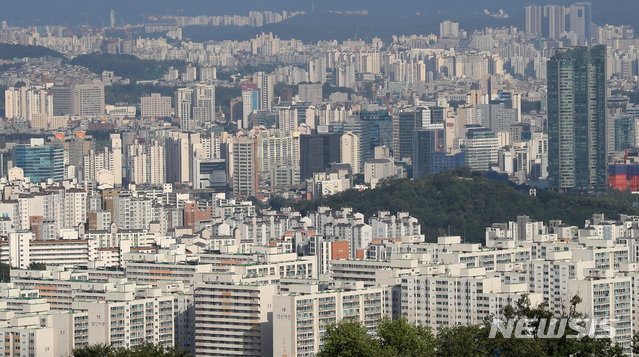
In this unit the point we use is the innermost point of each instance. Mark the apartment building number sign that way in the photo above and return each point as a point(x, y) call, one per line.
point(283, 315)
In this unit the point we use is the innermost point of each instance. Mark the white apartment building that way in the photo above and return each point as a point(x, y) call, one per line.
point(453, 295)
point(350, 151)
point(131, 320)
point(608, 297)
point(25, 102)
point(23, 337)
point(21, 248)
point(233, 320)
point(300, 318)
point(90, 312)
point(156, 273)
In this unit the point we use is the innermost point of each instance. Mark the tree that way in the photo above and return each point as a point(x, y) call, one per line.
point(276, 202)
point(102, 350)
point(559, 346)
point(5, 272)
point(126, 66)
point(635, 343)
point(469, 341)
point(256, 202)
point(400, 338)
point(37, 266)
point(348, 339)
point(146, 349)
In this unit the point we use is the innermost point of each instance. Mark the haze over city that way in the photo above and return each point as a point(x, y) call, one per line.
point(285, 178)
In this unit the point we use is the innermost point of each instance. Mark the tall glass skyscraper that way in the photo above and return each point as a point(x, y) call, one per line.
point(577, 124)
point(581, 21)
point(40, 162)
point(427, 141)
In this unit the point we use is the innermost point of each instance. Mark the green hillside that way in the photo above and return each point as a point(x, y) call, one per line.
point(9, 51)
point(464, 203)
point(126, 66)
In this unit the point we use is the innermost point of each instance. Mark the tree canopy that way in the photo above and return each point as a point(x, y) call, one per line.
point(146, 349)
point(125, 66)
point(37, 266)
point(348, 339)
point(10, 51)
point(400, 338)
point(5, 272)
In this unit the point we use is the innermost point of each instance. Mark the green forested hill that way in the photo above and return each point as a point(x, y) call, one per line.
point(126, 66)
point(465, 203)
point(9, 51)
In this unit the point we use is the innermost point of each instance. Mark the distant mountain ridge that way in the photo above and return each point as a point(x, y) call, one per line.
point(311, 28)
point(96, 13)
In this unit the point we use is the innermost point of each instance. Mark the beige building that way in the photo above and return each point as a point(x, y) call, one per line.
point(155, 106)
point(88, 99)
point(350, 151)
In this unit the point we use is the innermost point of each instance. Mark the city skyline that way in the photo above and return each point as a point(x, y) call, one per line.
point(260, 179)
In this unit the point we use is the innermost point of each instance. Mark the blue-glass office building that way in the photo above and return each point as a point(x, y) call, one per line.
point(40, 162)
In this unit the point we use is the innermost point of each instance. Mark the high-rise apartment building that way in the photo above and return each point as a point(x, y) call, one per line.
point(311, 93)
point(177, 158)
point(547, 21)
point(533, 19)
point(287, 118)
point(24, 102)
point(577, 122)
point(146, 163)
point(195, 106)
point(553, 21)
point(250, 104)
point(277, 149)
point(234, 320)
point(183, 104)
point(244, 163)
point(203, 104)
point(300, 319)
point(317, 70)
point(449, 29)
point(265, 83)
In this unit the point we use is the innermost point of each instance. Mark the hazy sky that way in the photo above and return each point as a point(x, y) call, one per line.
point(129, 11)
